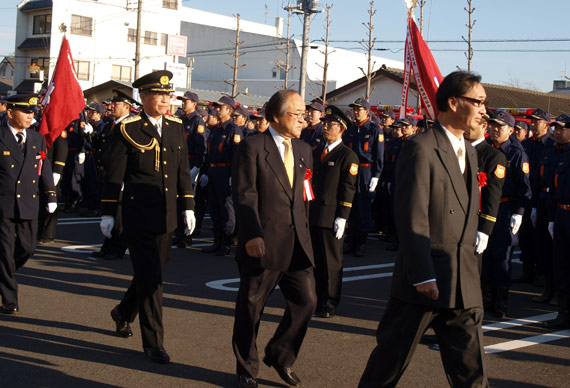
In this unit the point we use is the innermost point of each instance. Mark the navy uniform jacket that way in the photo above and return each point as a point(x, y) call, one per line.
point(367, 141)
point(391, 153)
point(196, 138)
point(155, 173)
point(333, 180)
point(313, 135)
point(223, 143)
point(57, 153)
point(516, 188)
point(491, 162)
point(536, 150)
point(103, 146)
point(559, 185)
point(546, 168)
point(20, 175)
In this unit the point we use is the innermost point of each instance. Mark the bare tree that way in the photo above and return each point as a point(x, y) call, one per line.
point(368, 46)
point(469, 54)
point(236, 66)
point(326, 53)
point(286, 67)
point(516, 83)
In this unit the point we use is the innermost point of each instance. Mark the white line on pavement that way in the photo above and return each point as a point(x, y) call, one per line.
point(528, 341)
point(518, 322)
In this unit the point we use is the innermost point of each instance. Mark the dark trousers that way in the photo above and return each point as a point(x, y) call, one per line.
point(256, 284)
point(220, 200)
point(562, 252)
point(497, 257)
point(527, 243)
point(47, 222)
point(328, 266)
point(149, 254)
point(17, 244)
point(543, 243)
point(458, 333)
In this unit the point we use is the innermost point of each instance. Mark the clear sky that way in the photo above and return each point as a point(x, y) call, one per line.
point(528, 41)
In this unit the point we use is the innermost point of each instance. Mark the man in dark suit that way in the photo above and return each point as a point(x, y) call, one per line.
point(437, 275)
point(334, 180)
point(149, 158)
point(23, 165)
point(274, 243)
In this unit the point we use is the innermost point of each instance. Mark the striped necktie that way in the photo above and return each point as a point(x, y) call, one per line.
point(20, 137)
point(325, 153)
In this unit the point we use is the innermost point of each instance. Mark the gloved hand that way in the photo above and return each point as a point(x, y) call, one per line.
point(106, 225)
point(516, 221)
point(389, 187)
point(87, 129)
point(51, 206)
point(203, 180)
point(338, 228)
point(56, 178)
point(81, 157)
point(372, 184)
point(551, 229)
point(194, 174)
point(481, 242)
point(533, 217)
point(189, 221)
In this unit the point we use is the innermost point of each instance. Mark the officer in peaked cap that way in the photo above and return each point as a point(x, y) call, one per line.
point(22, 167)
point(521, 130)
point(150, 162)
point(366, 139)
point(240, 117)
point(335, 169)
point(313, 133)
point(261, 123)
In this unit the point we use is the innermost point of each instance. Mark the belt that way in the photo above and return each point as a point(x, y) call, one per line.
point(73, 149)
point(225, 164)
point(192, 155)
point(564, 207)
point(506, 199)
point(364, 164)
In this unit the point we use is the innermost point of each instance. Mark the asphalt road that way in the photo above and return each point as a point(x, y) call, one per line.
point(64, 336)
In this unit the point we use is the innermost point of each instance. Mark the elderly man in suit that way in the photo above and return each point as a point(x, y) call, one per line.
point(437, 274)
point(274, 244)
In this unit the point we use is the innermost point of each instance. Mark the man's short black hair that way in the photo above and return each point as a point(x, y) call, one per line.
point(277, 104)
point(456, 84)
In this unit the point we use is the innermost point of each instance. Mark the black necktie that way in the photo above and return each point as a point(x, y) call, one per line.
point(20, 137)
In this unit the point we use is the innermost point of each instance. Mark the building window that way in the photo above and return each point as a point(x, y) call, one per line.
point(81, 25)
point(150, 38)
point(43, 63)
point(121, 73)
point(170, 4)
point(163, 39)
point(132, 35)
point(42, 24)
point(82, 69)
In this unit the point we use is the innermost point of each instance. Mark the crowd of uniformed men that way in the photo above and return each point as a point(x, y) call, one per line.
point(524, 179)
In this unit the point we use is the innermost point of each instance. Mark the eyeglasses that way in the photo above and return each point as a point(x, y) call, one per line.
point(331, 124)
point(476, 102)
point(298, 115)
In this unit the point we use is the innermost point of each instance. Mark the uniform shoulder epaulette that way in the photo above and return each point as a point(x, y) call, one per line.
point(131, 119)
point(173, 118)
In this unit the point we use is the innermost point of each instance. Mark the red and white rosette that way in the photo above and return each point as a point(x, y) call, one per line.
point(41, 157)
point(308, 194)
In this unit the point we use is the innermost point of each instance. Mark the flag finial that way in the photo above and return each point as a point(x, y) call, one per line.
point(62, 28)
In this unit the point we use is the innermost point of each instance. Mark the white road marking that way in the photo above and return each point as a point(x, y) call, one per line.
point(528, 341)
point(518, 322)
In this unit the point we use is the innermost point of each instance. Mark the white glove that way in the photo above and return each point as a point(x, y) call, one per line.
point(106, 225)
point(338, 228)
point(56, 178)
point(81, 157)
point(533, 217)
point(189, 221)
point(203, 180)
point(481, 242)
point(516, 221)
point(551, 229)
point(194, 174)
point(51, 206)
point(230, 182)
point(87, 129)
point(389, 187)
point(372, 185)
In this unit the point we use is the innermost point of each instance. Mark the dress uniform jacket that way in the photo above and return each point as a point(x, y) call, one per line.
point(313, 135)
point(155, 173)
point(492, 163)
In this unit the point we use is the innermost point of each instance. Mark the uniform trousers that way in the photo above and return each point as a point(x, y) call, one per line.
point(328, 266)
point(497, 257)
point(17, 244)
point(149, 254)
point(562, 252)
point(458, 332)
point(47, 222)
point(543, 243)
point(220, 200)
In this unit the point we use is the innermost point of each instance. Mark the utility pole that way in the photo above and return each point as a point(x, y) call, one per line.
point(235, 66)
point(305, 7)
point(287, 66)
point(369, 46)
point(469, 53)
point(138, 40)
point(326, 55)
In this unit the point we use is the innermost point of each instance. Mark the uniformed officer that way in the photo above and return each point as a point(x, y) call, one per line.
point(3, 117)
point(559, 223)
point(335, 169)
point(388, 118)
point(261, 123)
point(22, 166)
point(240, 117)
point(313, 133)
point(222, 145)
point(113, 248)
point(516, 194)
point(150, 161)
point(366, 139)
point(521, 130)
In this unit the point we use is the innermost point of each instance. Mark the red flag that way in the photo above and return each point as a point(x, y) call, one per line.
point(64, 99)
point(418, 58)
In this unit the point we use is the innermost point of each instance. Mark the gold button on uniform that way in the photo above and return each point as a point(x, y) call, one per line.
point(166, 175)
point(166, 189)
point(18, 182)
point(18, 196)
point(34, 196)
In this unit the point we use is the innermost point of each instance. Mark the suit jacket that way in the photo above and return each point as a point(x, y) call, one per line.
point(155, 178)
point(436, 210)
point(334, 185)
point(20, 175)
point(493, 163)
point(266, 206)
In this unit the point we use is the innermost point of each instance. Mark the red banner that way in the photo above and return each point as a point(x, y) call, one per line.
point(64, 99)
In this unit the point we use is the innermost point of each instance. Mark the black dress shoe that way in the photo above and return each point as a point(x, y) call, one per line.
point(112, 256)
point(327, 312)
point(10, 309)
point(246, 381)
point(122, 327)
point(157, 355)
point(429, 339)
point(98, 255)
point(286, 373)
point(45, 241)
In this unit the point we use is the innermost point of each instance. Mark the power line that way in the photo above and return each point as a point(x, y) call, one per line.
point(461, 41)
